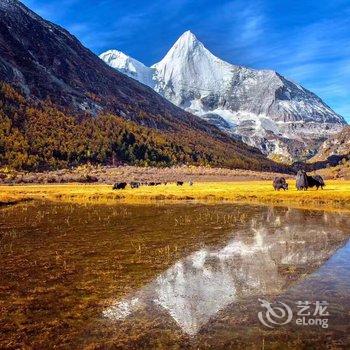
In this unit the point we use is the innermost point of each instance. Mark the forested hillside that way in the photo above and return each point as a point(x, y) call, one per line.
point(40, 136)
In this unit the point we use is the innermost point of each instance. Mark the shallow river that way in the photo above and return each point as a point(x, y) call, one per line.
point(173, 277)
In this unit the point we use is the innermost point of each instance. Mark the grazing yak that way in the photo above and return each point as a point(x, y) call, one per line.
point(316, 180)
point(179, 183)
point(280, 183)
point(301, 180)
point(119, 186)
point(320, 181)
point(304, 181)
point(135, 184)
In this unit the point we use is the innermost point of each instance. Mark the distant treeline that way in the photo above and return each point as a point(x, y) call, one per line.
point(39, 136)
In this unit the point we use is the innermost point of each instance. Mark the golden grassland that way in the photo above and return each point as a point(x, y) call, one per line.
point(335, 196)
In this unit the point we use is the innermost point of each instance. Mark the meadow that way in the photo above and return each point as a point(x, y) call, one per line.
point(335, 196)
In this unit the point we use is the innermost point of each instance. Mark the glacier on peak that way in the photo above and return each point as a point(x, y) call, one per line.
point(261, 107)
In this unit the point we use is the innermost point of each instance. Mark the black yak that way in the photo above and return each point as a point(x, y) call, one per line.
point(301, 180)
point(119, 186)
point(320, 180)
point(135, 184)
point(316, 180)
point(280, 183)
point(179, 183)
point(304, 181)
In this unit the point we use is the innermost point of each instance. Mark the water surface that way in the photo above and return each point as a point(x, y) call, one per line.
point(169, 276)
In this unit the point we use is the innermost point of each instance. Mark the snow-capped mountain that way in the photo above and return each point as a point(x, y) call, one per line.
point(129, 66)
point(261, 107)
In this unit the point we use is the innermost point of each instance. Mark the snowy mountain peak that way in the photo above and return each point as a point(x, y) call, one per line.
point(120, 60)
point(260, 106)
point(129, 66)
point(191, 68)
point(187, 45)
point(188, 35)
point(187, 39)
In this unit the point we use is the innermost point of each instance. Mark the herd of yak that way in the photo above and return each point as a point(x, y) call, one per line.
point(135, 184)
point(303, 182)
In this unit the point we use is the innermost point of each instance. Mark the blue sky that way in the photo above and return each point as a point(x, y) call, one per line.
point(306, 41)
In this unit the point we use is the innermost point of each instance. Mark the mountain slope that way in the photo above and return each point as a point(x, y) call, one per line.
point(45, 62)
point(336, 145)
point(260, 106)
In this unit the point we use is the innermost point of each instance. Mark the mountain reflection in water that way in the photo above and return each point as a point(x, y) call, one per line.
point(152, 276)
point(265, 258)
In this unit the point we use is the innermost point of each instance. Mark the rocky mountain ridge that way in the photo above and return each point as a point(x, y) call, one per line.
point(338, 145)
